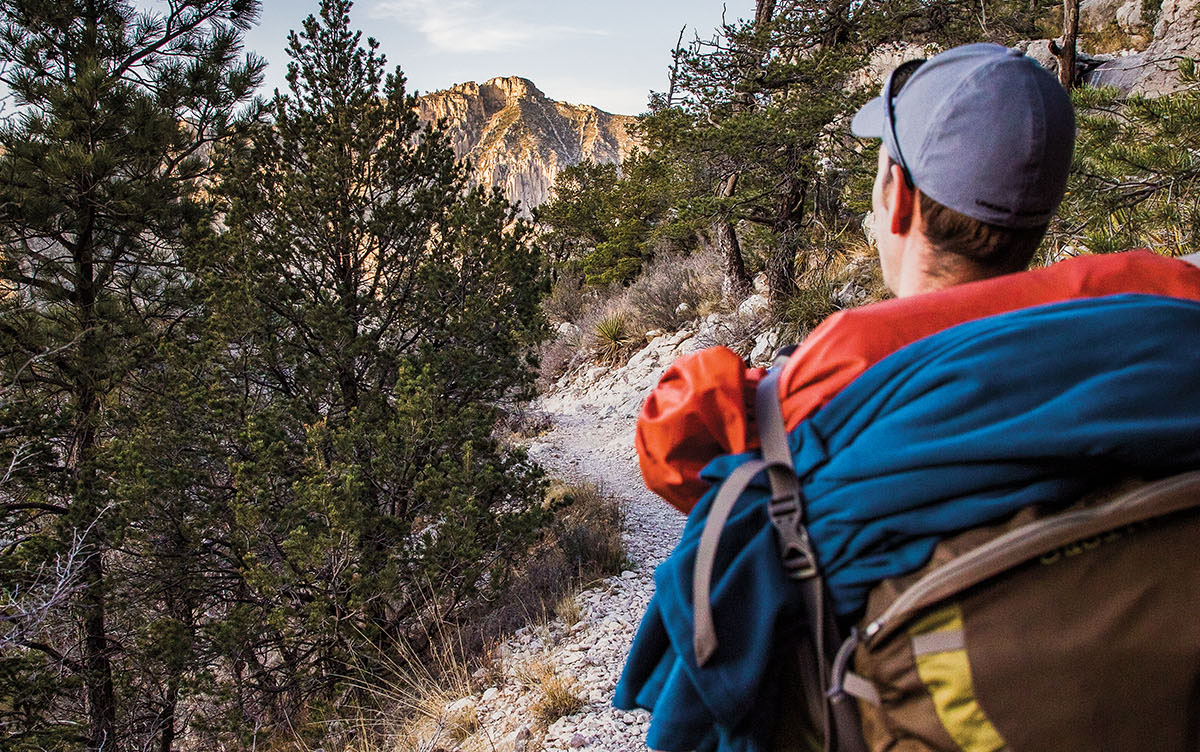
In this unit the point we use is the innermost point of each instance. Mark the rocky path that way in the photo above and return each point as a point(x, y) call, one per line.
point(591, 440)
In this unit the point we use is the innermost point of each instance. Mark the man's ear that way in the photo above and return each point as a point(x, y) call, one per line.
point(902, 199)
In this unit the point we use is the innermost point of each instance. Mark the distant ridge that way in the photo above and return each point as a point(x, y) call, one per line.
point(518, 139)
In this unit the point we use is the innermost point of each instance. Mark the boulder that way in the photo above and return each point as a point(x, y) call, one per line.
point(1096, 15)
point(1155, 72)
point(765, 346)
point(753, 306)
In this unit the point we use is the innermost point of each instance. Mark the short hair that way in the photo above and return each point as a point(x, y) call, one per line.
point(991, 249)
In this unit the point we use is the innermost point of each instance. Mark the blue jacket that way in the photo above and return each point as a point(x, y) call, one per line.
point(959, 429)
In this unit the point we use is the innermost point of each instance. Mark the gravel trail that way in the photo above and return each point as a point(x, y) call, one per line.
point(591, 439)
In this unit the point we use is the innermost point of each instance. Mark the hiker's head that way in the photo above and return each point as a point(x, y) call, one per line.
point(977, 144)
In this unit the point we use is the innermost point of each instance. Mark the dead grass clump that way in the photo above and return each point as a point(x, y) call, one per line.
point(521, 422)
point(567, 610)
point(808, 306)
point(558, 695)
point(735, 332)
point(559, 355)
point(587, 531)
point(581, 544)
point(607, 325)
point(569, 298)
point(1112, 38)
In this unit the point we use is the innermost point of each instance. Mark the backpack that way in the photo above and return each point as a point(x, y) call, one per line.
point(1072, 630)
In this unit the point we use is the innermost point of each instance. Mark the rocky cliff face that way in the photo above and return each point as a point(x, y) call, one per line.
point(1152, 66)
point(518, 139)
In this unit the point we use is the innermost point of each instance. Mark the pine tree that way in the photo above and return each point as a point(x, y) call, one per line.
point(757, 117)
point(101, 160)
point(378, 312)
point(605, 220)
point(1136, 177)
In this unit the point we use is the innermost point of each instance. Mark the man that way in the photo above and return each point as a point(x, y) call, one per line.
point(976, 150)
point(920, 416)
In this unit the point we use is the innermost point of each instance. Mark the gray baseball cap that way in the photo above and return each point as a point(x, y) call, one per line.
point(981, 129)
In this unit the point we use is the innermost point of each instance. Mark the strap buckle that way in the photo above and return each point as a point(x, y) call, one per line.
point(799, 559)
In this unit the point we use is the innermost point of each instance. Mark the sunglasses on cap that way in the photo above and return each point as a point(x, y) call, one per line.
point(895, 82)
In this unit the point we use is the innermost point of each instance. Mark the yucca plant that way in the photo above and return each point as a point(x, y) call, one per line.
point(613, 338)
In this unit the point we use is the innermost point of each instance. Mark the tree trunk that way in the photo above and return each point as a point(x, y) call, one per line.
point(86, 502)
point(1067, 54)
point(167, 718)
point(786, 225)
point(781, 266)
point(92, 603)
point(736, 283)
point(764, 11)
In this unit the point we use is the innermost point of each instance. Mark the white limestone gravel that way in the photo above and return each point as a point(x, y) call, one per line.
point(591, 439)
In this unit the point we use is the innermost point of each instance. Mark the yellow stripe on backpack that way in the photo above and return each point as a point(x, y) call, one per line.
point(944, 668)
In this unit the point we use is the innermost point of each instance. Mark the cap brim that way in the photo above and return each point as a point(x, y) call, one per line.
point(868, 122)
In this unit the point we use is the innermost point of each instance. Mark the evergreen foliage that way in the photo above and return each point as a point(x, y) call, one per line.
point(251, 361)
point(753, 132)
point(606, 220)
point(377, 312)
point(101, 161)
point(1136, 178)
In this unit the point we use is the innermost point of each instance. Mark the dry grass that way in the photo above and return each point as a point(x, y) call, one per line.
point(1112, 39)
point(462, 723)
point(557, 695)
point(569, 298)
point(581, 544)
point(735, 332)
point(587, 531)
point(521, 422)
point(410, 700)
point(567, 610)
point(675, 289)
point(609, 323)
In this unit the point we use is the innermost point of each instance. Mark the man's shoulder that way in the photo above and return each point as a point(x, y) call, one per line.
point(1138, 271)
point(851, 341)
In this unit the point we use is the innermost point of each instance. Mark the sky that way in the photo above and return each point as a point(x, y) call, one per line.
point(610, 55)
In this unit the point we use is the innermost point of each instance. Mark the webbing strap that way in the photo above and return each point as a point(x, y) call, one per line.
point(704, 637)
point(839, 717)
point(786, 511)
point(856, 686)
point(938, 642)
point(839, 721)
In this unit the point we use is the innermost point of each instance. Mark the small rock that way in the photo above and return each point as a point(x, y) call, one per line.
point(466, 704)
point(491, 694)
point(518, 741)
point(578, 740)
point(753, 306)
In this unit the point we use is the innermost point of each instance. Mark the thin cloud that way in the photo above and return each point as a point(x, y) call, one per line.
point(460, 26)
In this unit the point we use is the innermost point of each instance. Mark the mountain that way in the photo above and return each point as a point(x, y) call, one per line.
point(518, 139)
